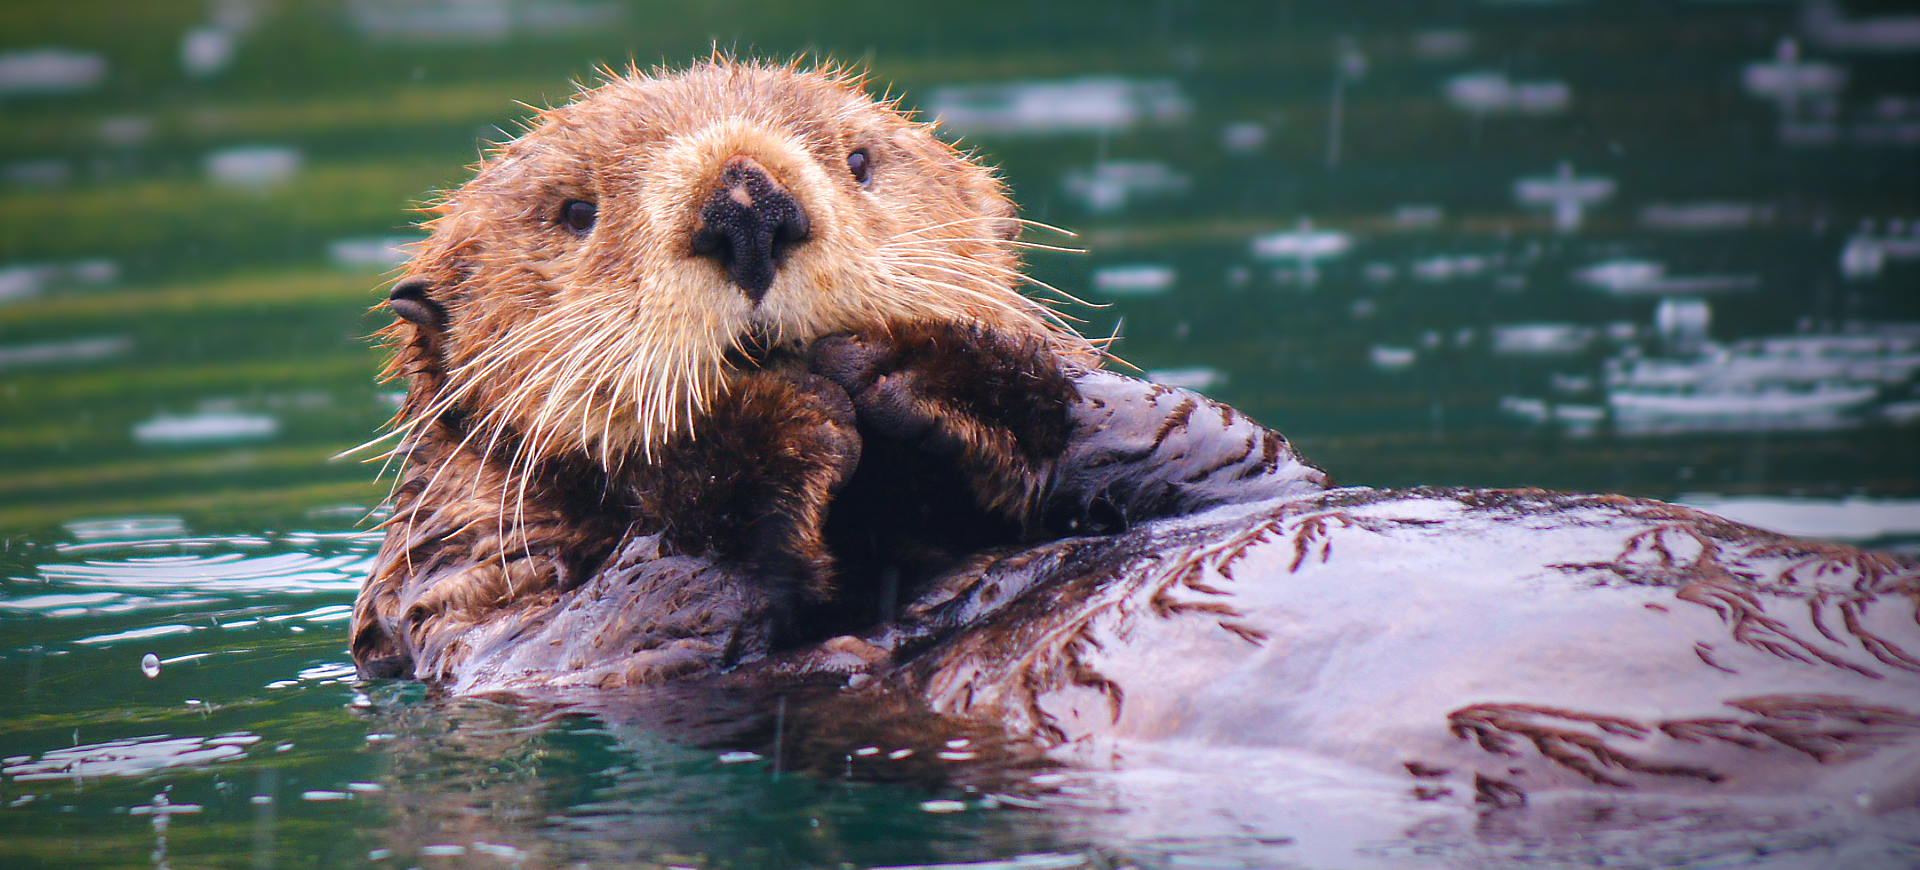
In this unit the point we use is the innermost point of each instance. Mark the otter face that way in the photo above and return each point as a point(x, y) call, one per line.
point(587, 286)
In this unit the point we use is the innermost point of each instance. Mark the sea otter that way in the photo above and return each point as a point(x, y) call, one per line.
point(742, 313)
point(723, 374)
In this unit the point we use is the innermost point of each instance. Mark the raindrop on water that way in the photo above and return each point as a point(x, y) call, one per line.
point(150, 665)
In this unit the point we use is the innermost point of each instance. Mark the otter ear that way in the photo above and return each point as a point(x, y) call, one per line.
point(409, 300)
point(1009, 228)
point(994, 204)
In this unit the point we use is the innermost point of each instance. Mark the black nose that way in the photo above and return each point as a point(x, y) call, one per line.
point(748, 225)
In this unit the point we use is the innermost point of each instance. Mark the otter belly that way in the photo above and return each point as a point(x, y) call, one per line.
point(1481, 643)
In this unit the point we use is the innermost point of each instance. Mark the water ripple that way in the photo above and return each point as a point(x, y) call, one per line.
point(224, 573)
point(135, 756)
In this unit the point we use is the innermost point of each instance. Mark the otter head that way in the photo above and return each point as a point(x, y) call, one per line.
point(592, 287)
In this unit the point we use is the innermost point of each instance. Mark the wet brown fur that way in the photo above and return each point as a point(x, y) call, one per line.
point(567, 390)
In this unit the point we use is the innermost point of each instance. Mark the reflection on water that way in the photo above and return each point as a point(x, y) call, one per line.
point(28, 280)
point(77, 350)
point(253, 166)
point(143, 658)
point(484, 22)
point(133, 757)
point(1568, 196)
point(1304, 246)
point(1849, 519)
point(1493, 93)
point(205, 426)
point(1627, 277)
point(1844, 380)
point(380, 252)
point(50, 71)
point(1666, 249)
point(1090, 105)
point(1109, 187)
point(1147, 279)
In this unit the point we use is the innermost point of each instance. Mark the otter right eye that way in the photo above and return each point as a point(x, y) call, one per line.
point(578, 215)
point(860, 165)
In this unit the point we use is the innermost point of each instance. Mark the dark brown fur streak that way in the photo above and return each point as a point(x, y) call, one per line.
point(863, 465)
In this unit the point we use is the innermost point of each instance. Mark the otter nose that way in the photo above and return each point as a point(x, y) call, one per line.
point(748, 225)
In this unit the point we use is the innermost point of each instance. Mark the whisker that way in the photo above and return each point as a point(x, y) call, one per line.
point(903, 239)
point(364, 445)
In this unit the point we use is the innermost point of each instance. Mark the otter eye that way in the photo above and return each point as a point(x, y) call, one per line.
point(578, 215)
point(860, 165)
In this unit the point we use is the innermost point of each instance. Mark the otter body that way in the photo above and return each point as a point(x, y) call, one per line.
point(691, 309)
point(1478, 645)
point(721, 375)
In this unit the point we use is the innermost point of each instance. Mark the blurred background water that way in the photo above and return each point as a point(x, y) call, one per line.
point(1660, 247)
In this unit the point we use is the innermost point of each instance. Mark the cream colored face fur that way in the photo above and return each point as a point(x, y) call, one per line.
point(612, 340)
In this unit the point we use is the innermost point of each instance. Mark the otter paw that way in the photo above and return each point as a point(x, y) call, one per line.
point(851, 360)
point(867, 368)
point(833, 432)
point(753, 486)
point(807, 453)
point(953, 388)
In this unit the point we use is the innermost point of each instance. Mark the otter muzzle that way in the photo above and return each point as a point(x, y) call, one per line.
point(748, 225)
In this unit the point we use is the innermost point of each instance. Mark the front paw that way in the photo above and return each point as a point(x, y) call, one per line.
point(752, 483)
point(796, 444)
point(952, 387)
point(825, 429)
point(891, 402)
point(996, 404)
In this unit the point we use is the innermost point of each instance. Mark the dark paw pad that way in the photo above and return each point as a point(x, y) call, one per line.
point(852, 361)
point(895, 408)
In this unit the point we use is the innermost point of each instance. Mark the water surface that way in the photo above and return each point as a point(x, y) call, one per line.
point(1662, 248)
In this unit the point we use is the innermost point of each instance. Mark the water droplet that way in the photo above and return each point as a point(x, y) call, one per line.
point(150, 665)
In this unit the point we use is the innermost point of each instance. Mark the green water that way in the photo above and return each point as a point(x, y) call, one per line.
point(180, 357)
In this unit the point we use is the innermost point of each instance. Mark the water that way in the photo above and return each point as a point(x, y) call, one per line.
point(1663, 248)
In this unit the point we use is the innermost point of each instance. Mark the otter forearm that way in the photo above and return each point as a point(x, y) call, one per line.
point(1143, 451)
point(752, 487)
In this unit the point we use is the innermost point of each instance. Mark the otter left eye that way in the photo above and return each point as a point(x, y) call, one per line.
point(860, 165)
point(578, 215)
